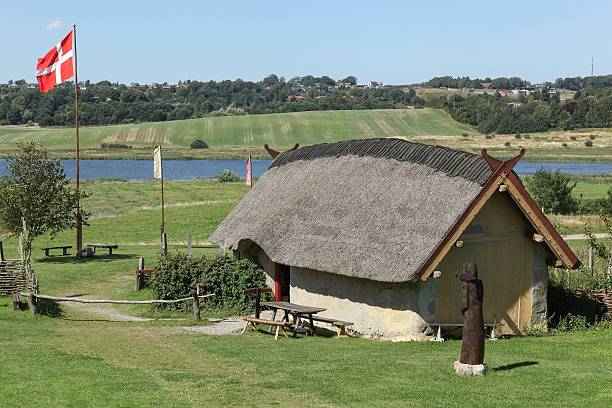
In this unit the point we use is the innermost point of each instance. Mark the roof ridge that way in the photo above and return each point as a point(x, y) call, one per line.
point(454, 163)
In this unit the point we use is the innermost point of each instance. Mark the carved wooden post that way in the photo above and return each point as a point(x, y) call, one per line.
point(472, 347)
point(2, 258)
point(16, 301)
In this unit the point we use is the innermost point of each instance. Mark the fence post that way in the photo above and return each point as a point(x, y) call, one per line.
point(2, 258)
point(189, 244)
point(591, 258)
point(257, 302)
point(16, 301)
point(196, 304)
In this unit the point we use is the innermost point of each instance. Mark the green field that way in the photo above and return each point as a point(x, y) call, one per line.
point(76, 358)
point(236, 134)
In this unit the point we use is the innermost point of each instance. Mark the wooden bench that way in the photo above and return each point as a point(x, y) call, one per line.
point(340, 325)
point(64, 249)
point(110, 247)
point(253, 322)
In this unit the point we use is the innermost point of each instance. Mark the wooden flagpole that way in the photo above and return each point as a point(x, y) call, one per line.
point(161, 168)
point(79, 226)
point(251, 170)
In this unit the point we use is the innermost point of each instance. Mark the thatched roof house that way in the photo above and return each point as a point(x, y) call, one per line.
point(360, 227)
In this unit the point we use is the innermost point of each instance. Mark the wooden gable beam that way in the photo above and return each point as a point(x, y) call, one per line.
point(496, 179)
point(532, 212)
point(275, 153)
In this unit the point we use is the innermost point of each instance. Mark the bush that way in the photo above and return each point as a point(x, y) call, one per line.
point(588, 143)
point(465, 134)
point(507, 144)
point(199, 144)
point(526, 137)
point(176, 275)
point(227, 176)
point(592, 137)
point(517, 136)
point(564, 144)
point(109, 146)
point(489, 136)
point(573, 137)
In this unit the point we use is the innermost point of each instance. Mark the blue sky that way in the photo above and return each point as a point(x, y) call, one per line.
point(390, 41)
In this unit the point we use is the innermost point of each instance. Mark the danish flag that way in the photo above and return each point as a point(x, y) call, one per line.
point(57, 66)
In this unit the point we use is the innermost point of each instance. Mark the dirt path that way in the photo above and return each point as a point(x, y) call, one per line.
point(103, 312)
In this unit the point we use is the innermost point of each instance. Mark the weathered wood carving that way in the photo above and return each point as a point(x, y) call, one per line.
point(472, 348)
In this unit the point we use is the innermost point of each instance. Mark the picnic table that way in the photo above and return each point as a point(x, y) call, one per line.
point(299, 313)
point(110, 247)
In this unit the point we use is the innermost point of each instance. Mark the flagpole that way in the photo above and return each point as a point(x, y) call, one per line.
point(79, 227)
point(162, 192)
point(251, 164)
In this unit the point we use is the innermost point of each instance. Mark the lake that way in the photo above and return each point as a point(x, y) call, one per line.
point(193, 169)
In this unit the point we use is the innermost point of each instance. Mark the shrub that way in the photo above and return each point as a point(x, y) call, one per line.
point(573, 137)
point(199, 144)
point(588, 143)
point(564, 144)
point(465, 134)
point(592, 137)
point(176, 275)
point(526, 136)
point(507, 144)
point(488, 136)
point(109, 146)
point(517, 136)
point(227, 176)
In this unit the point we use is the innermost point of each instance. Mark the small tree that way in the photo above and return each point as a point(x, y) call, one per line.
point(552, 191)
point(36, 198)
point(228, 176)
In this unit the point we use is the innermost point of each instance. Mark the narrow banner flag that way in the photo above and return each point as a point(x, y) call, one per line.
point(57, 66)
point(157, 163)
point(249, 172)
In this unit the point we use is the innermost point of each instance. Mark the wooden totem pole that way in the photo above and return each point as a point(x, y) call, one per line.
point(472, 349)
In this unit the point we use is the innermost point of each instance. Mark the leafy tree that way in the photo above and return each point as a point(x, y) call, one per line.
point(228, 176)
point(552, 191)
point(35, 199)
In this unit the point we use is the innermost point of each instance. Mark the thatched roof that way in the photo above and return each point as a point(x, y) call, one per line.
point(372, 209)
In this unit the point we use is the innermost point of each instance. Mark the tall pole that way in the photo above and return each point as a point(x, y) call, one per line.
point(79, 226)
point(162, 193)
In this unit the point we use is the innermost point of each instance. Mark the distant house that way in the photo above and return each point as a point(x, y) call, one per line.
point(504, 92)
point(486, 85)
point(297, 98)
point(374, 231)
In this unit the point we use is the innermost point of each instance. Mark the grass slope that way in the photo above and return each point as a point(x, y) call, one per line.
point(278, 130)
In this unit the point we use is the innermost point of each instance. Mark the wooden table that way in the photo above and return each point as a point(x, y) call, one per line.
point(297, 312)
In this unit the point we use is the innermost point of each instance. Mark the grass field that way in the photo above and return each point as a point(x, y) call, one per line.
point(79, 359)
point(237, 136)
point(232, 135)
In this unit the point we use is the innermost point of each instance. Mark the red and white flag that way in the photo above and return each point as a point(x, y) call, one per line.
point(249, 172)
point(57, 66)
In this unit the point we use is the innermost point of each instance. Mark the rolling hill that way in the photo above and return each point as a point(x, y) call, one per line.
point(280, 130)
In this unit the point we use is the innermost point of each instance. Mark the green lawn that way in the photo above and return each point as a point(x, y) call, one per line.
point(79, 359)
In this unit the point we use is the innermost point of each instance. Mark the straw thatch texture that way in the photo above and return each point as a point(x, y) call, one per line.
point(452, 162)
point(359, 216)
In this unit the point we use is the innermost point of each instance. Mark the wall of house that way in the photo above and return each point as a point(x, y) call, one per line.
point(511, 265)
point(377, 309)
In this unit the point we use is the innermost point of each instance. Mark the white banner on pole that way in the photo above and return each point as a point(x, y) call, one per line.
point(157, 163)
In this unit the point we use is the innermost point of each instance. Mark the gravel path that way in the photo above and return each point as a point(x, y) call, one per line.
point(104, 312)
point(218, 327)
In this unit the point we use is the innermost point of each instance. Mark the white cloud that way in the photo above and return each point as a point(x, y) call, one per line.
point(56, 24)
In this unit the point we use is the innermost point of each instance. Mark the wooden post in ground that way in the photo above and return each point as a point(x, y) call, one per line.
point(189, 244)
point(16, 301)
point(257, 302)
point(591, 263)
point(2, 258)
point(196, 304)
point(140, 274)
point(33, 303)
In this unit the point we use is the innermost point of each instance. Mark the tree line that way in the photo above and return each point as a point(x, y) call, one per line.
point(106, 103)
point(537, 112)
